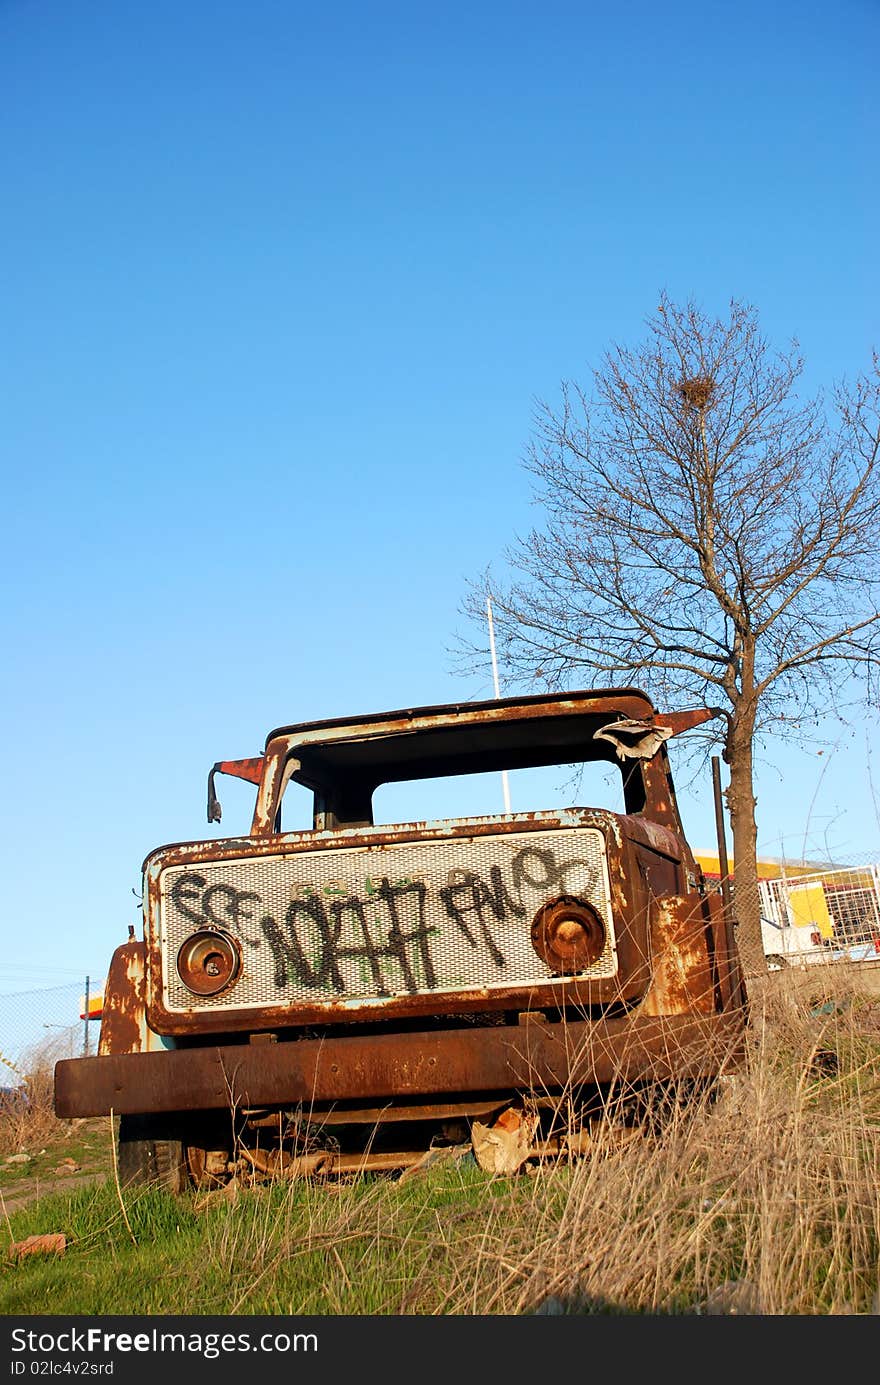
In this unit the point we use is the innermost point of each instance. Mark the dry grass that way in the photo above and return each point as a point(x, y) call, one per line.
point(763, 1198)
point(27, 1119)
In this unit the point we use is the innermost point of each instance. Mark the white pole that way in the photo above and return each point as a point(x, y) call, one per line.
point(504, 784)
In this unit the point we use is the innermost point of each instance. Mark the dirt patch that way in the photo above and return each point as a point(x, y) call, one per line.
point(30, 1190)
point(71, 1155)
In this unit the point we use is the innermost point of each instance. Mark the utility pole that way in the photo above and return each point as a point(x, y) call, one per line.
point(723, 868)
point(504, 784)
point(86, 1024)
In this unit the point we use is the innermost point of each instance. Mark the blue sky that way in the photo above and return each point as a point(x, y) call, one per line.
point(281, 284)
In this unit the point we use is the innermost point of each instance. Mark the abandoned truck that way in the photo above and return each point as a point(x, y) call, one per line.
point(353, 995)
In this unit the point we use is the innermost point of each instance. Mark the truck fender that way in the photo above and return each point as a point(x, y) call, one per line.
point(124, 1027)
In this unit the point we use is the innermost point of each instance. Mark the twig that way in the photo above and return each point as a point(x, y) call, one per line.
point(813, 800)
point(8, 1222)
point(116, 1180)
point(338, 1259)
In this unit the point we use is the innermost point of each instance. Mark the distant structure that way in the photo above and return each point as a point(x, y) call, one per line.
point(813, 911)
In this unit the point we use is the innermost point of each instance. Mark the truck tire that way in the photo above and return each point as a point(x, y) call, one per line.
point(150, 1155)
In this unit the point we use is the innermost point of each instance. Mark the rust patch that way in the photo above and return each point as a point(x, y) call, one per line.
point(683, 982)
point(123, 1020)
point(534, 1057)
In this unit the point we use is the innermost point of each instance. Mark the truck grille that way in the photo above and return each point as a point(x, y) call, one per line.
point(362, 925)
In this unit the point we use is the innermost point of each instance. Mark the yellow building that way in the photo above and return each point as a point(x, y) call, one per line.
point(769, 867)
point(811, 904)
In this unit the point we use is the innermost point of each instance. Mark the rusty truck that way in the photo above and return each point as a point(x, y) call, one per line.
point(349, 995)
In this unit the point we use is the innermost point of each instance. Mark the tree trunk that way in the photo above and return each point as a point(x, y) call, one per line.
point(741, 804)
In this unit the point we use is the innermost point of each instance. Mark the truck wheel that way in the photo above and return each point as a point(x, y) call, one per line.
point(150, 1155)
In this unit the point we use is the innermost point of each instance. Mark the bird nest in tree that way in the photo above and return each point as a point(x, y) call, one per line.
point(697, 391)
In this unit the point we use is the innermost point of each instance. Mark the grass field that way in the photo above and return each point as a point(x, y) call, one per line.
point(763, 1200)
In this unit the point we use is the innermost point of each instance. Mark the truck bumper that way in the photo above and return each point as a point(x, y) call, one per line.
point(534, 1056)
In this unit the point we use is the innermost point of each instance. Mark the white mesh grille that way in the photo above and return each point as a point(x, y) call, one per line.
point(364, 924)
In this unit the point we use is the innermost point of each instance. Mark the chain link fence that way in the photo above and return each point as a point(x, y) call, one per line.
point(38, 1027)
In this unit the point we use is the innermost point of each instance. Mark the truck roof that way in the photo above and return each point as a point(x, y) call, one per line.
point(461, 737)
point(343, 760)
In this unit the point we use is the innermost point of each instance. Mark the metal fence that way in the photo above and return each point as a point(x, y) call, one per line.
point(38, 1027)
point(830, 915)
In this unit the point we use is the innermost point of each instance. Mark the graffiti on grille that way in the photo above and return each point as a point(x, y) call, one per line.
point(385, 926)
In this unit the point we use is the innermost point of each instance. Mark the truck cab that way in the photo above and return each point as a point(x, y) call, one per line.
point(348, 995)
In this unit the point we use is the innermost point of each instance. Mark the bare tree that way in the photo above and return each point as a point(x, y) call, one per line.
point(709, 535)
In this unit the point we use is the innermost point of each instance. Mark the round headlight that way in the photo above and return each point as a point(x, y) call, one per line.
point(208, 962)
point(568, 934)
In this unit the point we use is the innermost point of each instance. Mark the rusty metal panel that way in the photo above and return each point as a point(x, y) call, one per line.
point(124, 1027)
point(684, 971)
point(466, 737)
point(123, 1018)
point(536, 1056)
point(356, 926)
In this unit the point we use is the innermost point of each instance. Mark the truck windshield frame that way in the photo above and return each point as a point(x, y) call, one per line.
point(343, 762)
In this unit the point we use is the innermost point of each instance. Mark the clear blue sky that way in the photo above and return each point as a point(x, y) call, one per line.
point(280, 286)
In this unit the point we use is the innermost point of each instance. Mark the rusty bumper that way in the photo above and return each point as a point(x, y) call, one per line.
point(535, 1056)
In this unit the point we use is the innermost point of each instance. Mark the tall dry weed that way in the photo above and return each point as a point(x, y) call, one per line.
point(27, 1115)
point(761, 1200)
point(757, 1196)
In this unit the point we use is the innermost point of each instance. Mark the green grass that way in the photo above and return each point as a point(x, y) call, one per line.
point(765, 1200)
point(359, 1248)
